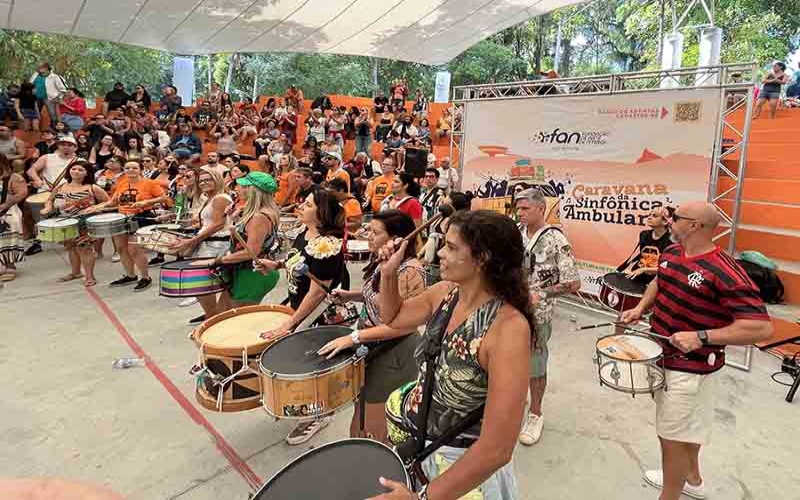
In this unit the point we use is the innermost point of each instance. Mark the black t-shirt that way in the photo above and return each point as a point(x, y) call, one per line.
point(116, 99)
point(202, 117)
point(649, 252)
point(45, 149)
point(324, 257)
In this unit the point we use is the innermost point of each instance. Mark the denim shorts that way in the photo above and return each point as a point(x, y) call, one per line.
point(29, 114)
point(502, 485)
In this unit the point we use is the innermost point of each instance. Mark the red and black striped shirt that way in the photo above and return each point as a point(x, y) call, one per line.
point(701, 293)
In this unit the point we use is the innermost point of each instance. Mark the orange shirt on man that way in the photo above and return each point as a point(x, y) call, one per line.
point(341, 174)
point(378, 189)
point(127, 194)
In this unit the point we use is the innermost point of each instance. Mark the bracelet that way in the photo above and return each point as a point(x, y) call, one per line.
point(355, 337)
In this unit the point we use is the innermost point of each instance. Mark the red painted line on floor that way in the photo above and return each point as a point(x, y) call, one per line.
point(222, 445)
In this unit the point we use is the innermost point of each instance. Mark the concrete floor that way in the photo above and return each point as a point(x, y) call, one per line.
point(65, 412)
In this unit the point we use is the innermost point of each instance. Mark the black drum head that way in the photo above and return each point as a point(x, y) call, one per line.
point(343, 470)
point(621, 283)
point(297, 353)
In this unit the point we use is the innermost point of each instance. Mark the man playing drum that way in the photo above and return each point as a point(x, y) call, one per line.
point(703, 300)
point(552, 272)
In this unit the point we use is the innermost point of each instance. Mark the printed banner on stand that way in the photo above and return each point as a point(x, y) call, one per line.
point(604, 162)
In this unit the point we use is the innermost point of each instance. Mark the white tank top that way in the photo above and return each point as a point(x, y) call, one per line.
point(9, 147)
point(55, 165)
point(206, 218)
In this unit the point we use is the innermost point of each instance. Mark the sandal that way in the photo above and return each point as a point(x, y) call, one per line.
point(8, 276)
point(89, 283)
point(70, 277)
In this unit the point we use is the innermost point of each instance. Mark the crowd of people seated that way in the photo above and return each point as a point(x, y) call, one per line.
point(168, 140)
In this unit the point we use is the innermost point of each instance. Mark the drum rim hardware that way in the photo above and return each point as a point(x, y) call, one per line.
point(318, 449)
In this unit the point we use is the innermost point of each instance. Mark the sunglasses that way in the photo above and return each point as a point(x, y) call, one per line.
point(204, 180)
point(676, 218)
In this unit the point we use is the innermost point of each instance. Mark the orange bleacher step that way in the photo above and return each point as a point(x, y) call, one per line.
point(780, 244)
point(767, 169)
point(769, 190)
point(765, 214)
point(791, 284)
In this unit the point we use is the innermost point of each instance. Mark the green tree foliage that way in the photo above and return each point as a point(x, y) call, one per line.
point(600, 37)
point(90, 65)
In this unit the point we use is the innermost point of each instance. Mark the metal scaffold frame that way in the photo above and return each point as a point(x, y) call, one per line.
point(736, 84)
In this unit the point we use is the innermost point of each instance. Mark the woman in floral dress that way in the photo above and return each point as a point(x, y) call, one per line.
point(479, 325)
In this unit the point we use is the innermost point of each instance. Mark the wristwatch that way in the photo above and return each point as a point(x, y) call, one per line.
point(423, 493)
point(354, 336)
point(703, 336)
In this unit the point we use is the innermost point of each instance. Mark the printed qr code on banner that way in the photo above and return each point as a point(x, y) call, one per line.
point(688, 111)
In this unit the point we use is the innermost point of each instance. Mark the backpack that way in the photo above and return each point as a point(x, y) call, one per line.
point(770, 287)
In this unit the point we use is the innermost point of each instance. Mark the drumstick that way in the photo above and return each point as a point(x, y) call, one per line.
point(241, 241)
point(596, 325)
point(302, 269)
point(60, 176)
point(445, 210)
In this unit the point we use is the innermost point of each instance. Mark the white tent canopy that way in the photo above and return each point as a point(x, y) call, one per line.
point(424, 31)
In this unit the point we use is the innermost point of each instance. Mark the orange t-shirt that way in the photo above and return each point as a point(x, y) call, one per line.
point(127, 194)
point(286, 189)
point(341, 174)
point(378, 189)
point(351, 207)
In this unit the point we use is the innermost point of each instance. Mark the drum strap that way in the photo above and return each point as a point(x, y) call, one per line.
point(432, 352)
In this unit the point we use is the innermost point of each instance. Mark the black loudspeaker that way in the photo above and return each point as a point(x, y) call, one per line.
point(416, 162)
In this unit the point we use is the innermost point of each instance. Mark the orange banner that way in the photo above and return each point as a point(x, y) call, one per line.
point(604, 162)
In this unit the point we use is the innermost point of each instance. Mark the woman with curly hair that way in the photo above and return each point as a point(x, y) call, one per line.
point(475, 350)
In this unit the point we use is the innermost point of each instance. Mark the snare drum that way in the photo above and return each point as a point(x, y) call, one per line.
point(619, 293)
point(109, 225)
point(629, 363)
point(298, 383)
point(37, 202)
point(182, 279)
point(58, 230)
point(230, 344)
point(358, 251)
point(159, 238)
point(329, 471)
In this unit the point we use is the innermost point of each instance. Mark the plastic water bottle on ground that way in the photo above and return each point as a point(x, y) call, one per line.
point(123, 363)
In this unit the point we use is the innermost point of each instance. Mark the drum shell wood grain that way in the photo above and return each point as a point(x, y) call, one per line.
point(313, 394)
point(244, 391)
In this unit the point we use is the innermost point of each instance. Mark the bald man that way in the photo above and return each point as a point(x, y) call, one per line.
point(702, 300)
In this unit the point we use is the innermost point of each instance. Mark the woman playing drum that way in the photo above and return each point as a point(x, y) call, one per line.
point(79, 193)
point(258, 227)
point(393, 362)
point(135, 197)
point(319, 250)
point(213, 238)
point(476, 348)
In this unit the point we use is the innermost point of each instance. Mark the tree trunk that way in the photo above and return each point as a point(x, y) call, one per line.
point(537, 53)
point(565, 58)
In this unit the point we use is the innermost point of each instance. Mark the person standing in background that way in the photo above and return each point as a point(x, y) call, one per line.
point(448, 177)
point(771, 89)
point(551, 272)
point(49, 89)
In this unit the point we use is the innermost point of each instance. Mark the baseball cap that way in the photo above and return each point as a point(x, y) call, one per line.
point(69, 139)
point(334, 154)
point(260, 180)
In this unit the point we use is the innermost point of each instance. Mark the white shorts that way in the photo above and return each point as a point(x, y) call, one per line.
point(211, 249)
point(685, 411)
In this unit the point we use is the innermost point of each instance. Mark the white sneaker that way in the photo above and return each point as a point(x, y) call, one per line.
point(115, 257)
point(305, 430)
point(188, 302)
point(656, 478)
point(532, 430)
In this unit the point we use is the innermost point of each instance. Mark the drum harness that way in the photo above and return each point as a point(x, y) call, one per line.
point(413, 451)
point(201, 372)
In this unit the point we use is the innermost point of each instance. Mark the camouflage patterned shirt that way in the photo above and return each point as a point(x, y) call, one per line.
point(549, 262)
